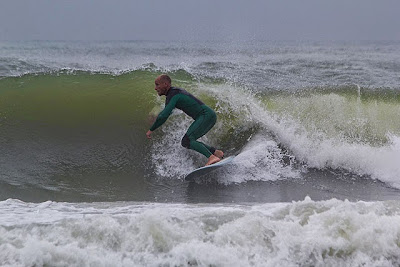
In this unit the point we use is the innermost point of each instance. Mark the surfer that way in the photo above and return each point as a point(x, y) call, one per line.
point(204, 117)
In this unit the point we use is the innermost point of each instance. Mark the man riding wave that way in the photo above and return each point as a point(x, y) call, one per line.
point(204, 117)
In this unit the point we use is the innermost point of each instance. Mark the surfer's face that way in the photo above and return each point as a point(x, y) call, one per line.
point(161, 86)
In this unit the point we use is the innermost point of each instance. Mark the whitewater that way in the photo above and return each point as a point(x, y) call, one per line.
point(314, 126)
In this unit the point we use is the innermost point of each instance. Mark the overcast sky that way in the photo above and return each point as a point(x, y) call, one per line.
point(199, 19)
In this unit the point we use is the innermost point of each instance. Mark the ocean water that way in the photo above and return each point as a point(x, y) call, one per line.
point(315, 127)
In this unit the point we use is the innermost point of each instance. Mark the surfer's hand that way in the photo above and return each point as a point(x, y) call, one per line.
point(148, 134)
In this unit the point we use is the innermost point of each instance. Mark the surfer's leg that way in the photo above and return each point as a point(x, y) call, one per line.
point(200, 127)
point(201, 148)
point(211, 119)
point(210, 148)
point(216, 152)
point(189, 143)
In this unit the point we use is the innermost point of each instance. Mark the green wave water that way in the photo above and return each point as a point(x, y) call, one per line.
point(58, 127)
point(86, 127)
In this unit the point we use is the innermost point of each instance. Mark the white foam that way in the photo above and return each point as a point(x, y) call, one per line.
point(326, 233)
point(312, 145)
point(260, 160)
point(319, 151)
point(169, 158)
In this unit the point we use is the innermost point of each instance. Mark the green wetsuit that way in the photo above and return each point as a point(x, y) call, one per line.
point(204, 118)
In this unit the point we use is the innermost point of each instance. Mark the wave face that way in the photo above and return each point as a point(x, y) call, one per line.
point(74, 115)
point(92, 125)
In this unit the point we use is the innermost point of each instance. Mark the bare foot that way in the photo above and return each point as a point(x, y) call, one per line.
point(212, 159)
point(219, 153)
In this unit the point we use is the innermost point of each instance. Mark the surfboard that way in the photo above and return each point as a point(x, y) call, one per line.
point(207, 169)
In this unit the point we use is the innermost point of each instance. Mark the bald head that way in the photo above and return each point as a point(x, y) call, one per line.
point(162, 84)
point(164, 78)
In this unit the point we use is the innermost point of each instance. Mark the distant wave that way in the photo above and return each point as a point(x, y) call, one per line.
point(257, 65)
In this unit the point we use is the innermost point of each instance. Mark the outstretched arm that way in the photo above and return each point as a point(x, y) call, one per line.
point(164, 114)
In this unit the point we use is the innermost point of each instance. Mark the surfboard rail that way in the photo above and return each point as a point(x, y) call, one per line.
point(207, 169)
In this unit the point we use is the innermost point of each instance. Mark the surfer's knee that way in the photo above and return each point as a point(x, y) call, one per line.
point(185, 141)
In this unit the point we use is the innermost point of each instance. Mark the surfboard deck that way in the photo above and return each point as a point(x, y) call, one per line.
point(206, 169)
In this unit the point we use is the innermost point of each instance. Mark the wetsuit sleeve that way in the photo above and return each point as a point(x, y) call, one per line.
point(164, 114)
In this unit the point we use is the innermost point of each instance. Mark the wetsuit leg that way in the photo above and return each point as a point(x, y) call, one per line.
point(203, 123)
point(212, 149)
point(186, 143)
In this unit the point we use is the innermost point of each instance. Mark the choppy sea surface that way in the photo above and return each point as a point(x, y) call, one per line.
point(315, 127)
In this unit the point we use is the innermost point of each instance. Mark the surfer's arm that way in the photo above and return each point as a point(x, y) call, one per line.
point(164, 114)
